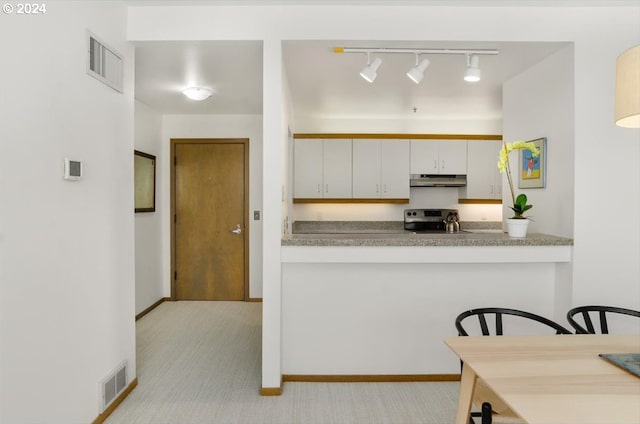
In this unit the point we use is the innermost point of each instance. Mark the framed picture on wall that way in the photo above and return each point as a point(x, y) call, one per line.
point(533, 169)
point(144, 166)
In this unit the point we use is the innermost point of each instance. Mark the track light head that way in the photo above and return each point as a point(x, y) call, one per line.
point(416, 74)
point(369, 72)
point(473, 71)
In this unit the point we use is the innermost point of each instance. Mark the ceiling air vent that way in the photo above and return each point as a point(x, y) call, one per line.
point(104, 63)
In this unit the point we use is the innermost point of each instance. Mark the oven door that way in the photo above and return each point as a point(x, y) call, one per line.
point(428, 226)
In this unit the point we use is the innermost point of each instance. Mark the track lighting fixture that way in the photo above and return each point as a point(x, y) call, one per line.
point(369, 72)
point(473, 71)
point(416, 73)
point(197, 93)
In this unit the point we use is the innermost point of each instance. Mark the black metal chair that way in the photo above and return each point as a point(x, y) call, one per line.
point(488, 410)
point(498, 313)
point(600, 315)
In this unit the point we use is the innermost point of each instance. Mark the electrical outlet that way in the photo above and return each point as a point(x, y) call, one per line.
point(256, 215)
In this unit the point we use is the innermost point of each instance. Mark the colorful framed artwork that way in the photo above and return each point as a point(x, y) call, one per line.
point(533, 169)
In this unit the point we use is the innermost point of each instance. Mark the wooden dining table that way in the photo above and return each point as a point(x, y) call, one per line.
point(551, 379)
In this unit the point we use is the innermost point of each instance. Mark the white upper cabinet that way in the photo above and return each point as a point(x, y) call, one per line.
point(380, 169)
point(307, 165)
point(337, 169)
point(484, 180)
point(438, 157)
point(424, 157)
point(394, 169)
point(366, 169)
point(322, 168)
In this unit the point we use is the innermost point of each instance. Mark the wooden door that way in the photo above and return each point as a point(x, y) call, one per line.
point(210, 237)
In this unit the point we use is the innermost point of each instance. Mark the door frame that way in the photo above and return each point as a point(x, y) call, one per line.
point(245, 211)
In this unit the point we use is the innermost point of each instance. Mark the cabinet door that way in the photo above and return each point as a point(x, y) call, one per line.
point(337, 169)
point(481, 170)
point(394, 170)
point(366, 169)
point(452, 156)
point(307, 164)
point(424, 157)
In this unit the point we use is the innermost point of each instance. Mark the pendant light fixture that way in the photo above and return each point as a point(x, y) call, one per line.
point(627, 108)
point(473, 71)
point(416, 74)
point(369, 72)
point(197, 93)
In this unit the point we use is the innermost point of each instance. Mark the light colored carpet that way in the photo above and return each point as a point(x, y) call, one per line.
point(199, 363)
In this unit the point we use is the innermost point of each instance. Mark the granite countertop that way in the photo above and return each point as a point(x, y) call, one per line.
point(390, 233)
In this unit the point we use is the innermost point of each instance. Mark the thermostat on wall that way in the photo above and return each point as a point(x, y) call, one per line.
point(72, 169)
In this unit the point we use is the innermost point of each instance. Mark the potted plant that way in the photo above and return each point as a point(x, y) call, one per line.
point(516, 225)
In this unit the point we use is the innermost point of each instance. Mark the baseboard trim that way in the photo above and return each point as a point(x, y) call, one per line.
point(270, 391)
point(152, 307)
point(382, 378)
point(254, 299)
point(102, 417)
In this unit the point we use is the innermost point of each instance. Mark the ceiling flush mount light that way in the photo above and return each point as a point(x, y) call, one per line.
point(627, 109)
point(369, 72)
point(473, 71)
point(197, 93)
point(416, 73)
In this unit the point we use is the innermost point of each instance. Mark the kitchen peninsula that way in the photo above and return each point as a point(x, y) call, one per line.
point(379, 303)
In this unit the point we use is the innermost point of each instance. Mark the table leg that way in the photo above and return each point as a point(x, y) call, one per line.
point(467, 386)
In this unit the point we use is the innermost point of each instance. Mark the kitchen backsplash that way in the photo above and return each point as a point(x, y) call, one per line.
point(446, 198)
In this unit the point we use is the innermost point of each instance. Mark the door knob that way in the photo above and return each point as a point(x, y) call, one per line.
point(238, 230)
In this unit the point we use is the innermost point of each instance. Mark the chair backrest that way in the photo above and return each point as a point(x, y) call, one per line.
point(497, 313)
point(599, 313)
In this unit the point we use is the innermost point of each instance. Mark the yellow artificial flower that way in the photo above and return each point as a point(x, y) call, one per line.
point(516, 145)
point(519, 203)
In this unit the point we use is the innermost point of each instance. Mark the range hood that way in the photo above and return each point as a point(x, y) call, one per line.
point(438, 180)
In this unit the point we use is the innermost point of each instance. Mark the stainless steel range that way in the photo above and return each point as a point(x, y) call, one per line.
point(430, 220)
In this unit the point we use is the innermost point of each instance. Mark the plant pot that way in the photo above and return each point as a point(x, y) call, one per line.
point(517, 227)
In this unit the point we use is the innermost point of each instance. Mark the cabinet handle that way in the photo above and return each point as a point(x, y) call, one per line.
point(491, 188)
point(377, 188)
point(319, 189)
point(384, 188)
point(326, 188)
point(443, 167)
point(435, 164)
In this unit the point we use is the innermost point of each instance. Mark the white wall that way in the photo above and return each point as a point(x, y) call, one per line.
point(391, 318)
point(66, 248)
point(319, 124)
point(595, 134)
point(215, 126)
point(540, 103)
point(275, 125)
point(149, 244)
